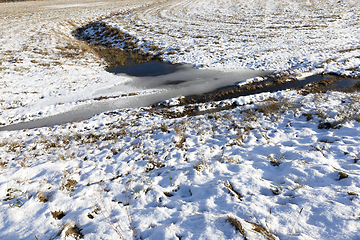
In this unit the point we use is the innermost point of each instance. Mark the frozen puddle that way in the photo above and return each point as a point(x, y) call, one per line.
point(168, 80)
point(178, 79)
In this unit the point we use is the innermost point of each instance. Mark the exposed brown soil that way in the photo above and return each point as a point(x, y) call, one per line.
point(335, 83)
point(273, 84)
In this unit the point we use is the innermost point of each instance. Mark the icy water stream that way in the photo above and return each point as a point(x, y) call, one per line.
point(173, 80)
point(169, 80)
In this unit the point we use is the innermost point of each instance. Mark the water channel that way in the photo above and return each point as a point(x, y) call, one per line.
point(170, 80)
point(173, 80)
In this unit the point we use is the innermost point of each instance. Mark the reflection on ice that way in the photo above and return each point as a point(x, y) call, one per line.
point(177, 79)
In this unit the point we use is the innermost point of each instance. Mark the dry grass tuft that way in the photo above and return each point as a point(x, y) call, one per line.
point(201, 165)
point(236, 223)
point(181, 142)
point(308, 116)
point(13, 146)
point(68, 185)
point(57, 215)
point(356, 158)
point(180, 128)
point(276, 159)
point(232, 191)
point(328, 125)
point(74, 231)
point(153, 164)
point(164, 128)
point(42, 197)
point(270, 107)
point(342, 175)
point(3, 164)
point(259, 229)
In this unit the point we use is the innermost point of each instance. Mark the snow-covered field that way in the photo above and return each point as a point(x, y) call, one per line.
point(273, 166)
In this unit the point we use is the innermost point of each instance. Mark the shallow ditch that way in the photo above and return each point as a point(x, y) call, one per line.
point(124, 56)
point(314, 84)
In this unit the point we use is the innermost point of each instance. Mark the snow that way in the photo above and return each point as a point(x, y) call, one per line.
point(283, 165)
